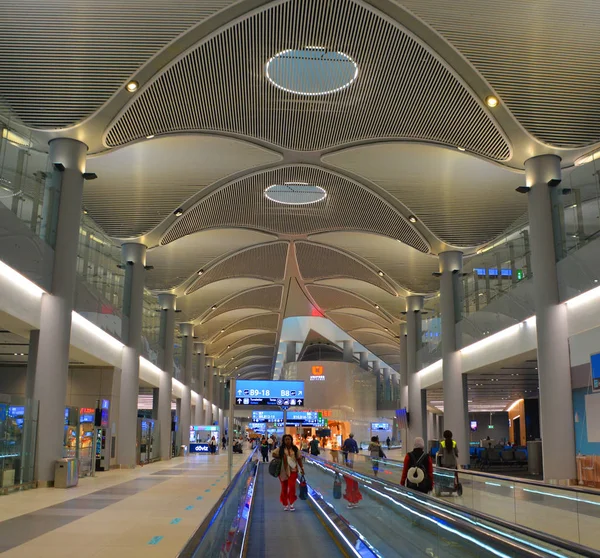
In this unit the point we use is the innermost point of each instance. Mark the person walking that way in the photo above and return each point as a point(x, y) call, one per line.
point(349, 448)
point(304, 444)
point(448, 454)
point(264, 450)
point(417, 472)
point(224, 441)
point(352, 494)
point(376, 453)
point(291, 463)
point(314, 446)
point(388, 443)
point(213, 445)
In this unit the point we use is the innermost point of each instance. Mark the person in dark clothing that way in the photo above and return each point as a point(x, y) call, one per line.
point(314, 447)
point(224, 441)
point(350, 447)
point(417, 472)
point(264, 450)
point(388, 443)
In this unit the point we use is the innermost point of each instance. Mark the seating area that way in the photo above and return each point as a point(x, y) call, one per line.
point(499, 457)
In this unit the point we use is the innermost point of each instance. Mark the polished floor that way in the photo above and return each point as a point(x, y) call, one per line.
point(147, 511)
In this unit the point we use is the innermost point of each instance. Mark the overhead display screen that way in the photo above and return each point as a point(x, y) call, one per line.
point(269, 392)
point(595, 362)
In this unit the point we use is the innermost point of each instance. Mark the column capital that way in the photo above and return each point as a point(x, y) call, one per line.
point(414, 303)
point(199, 347)
point(166, 301)
point(69, 152)
point(186, 329)
point(134, 252)
point(451, 261)
point(543, 169)
point(402, 330)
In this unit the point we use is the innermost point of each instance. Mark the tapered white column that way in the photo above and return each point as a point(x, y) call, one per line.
point(554, 366)
point(49, 382)
point(348, 355)
point(387, 384)
point(210, 388)
point(364, 360)
point(403, 368)
point(200, 376)
point(134, 260)
point(456, 410)
point(416, 397)
point(166, 302)
point(187, 331)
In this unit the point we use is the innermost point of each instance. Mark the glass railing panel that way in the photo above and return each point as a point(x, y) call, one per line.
point(588, 513)
point(151, 328)
point(23, 174)
point(221, 529)
point(18, 430)
point(99, 294)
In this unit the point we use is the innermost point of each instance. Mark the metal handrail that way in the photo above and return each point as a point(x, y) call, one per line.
point(474, 472)
point(197, 537)
point(425, 502)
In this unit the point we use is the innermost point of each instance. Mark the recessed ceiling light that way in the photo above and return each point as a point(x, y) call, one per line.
point(377, 306)
point(152, 135)
point(595, 280)
point(200, 272)
point(461, 149)
point(85, 211)
point(491, 101)
point(412, 219)
point(381, 274)
point(222, 331)
point(178, 212)
point(132, 86)
point(214, 308)
point(228, 346)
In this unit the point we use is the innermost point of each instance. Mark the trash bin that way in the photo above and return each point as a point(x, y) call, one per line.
point(65, 473)
point(183, 451)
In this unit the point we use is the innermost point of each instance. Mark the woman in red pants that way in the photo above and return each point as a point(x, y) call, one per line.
point(291, 464)
point(352, 495)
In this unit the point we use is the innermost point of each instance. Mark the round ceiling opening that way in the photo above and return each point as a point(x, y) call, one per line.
point(311, 71)
point(295, 193)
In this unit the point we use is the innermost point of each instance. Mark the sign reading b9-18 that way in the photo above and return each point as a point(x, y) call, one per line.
point(283, 393)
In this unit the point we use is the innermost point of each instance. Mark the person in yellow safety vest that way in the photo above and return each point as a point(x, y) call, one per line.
point(448, 451)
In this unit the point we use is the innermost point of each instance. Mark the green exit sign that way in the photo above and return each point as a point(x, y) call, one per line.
point(519, 274)
point(491, 426)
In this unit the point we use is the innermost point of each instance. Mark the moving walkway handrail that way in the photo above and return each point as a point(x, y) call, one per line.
point(433, 506)
point(483, 474)
point(190, 548)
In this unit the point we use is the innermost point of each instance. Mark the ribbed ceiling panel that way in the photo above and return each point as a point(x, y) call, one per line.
point(210, 328)
point(222, 85)
point(267, 298)
point(264, 321)
point(463, 200)
point(541, 58)
point(241, 338)
point(318, 262)
point(61, 60)
point(262, 262)
point(347, 206)
point(408, 268)
point(329, 298)
point(241, 356)
point(349, 322)
point(178, 261)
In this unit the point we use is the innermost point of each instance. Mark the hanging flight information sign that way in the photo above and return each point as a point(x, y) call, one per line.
point(286, 393)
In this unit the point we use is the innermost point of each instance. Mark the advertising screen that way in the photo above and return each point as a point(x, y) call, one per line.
point(473, 426)
point(595, 362)
point(270, 392)
point(380, 426)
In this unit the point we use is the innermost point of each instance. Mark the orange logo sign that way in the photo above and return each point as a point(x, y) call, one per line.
point(317, 370)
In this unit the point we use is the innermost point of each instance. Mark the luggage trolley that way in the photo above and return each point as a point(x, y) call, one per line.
point(446, 481)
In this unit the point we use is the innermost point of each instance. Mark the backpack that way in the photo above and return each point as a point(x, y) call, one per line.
point(418, 477)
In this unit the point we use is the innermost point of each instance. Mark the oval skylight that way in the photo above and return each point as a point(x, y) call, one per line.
point(295, 193)
point(311, 71)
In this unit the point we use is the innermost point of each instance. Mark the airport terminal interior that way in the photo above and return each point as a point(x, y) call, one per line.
point(299, 278)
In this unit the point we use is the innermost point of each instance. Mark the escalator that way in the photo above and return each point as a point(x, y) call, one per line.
point(276, 532)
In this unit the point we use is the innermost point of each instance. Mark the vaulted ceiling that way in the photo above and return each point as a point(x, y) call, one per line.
point(411, 158)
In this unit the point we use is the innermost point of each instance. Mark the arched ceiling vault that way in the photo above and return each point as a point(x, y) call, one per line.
point(207, 132)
